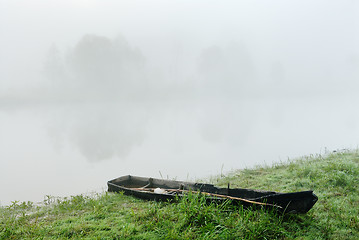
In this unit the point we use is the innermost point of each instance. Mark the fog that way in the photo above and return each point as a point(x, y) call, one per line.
point(92, 90)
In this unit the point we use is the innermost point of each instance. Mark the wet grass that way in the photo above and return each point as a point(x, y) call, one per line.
point(334, 178)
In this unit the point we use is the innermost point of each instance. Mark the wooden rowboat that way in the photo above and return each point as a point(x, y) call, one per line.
point(169, 190)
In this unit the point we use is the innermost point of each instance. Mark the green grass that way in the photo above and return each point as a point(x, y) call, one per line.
point(333, 177)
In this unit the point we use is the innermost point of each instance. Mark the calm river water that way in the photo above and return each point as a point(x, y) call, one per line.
point(72, 149)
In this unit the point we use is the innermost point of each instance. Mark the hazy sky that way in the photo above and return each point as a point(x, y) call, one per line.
point(313, 40)
point(144, 86)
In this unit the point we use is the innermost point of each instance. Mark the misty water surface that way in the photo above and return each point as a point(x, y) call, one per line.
point(92, 90)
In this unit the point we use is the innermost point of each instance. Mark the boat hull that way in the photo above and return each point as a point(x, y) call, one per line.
point(141, 187)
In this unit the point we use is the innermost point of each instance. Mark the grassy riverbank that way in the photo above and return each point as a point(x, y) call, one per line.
point(333, 177)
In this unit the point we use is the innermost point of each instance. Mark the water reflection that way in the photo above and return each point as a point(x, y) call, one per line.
point(45, 151)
